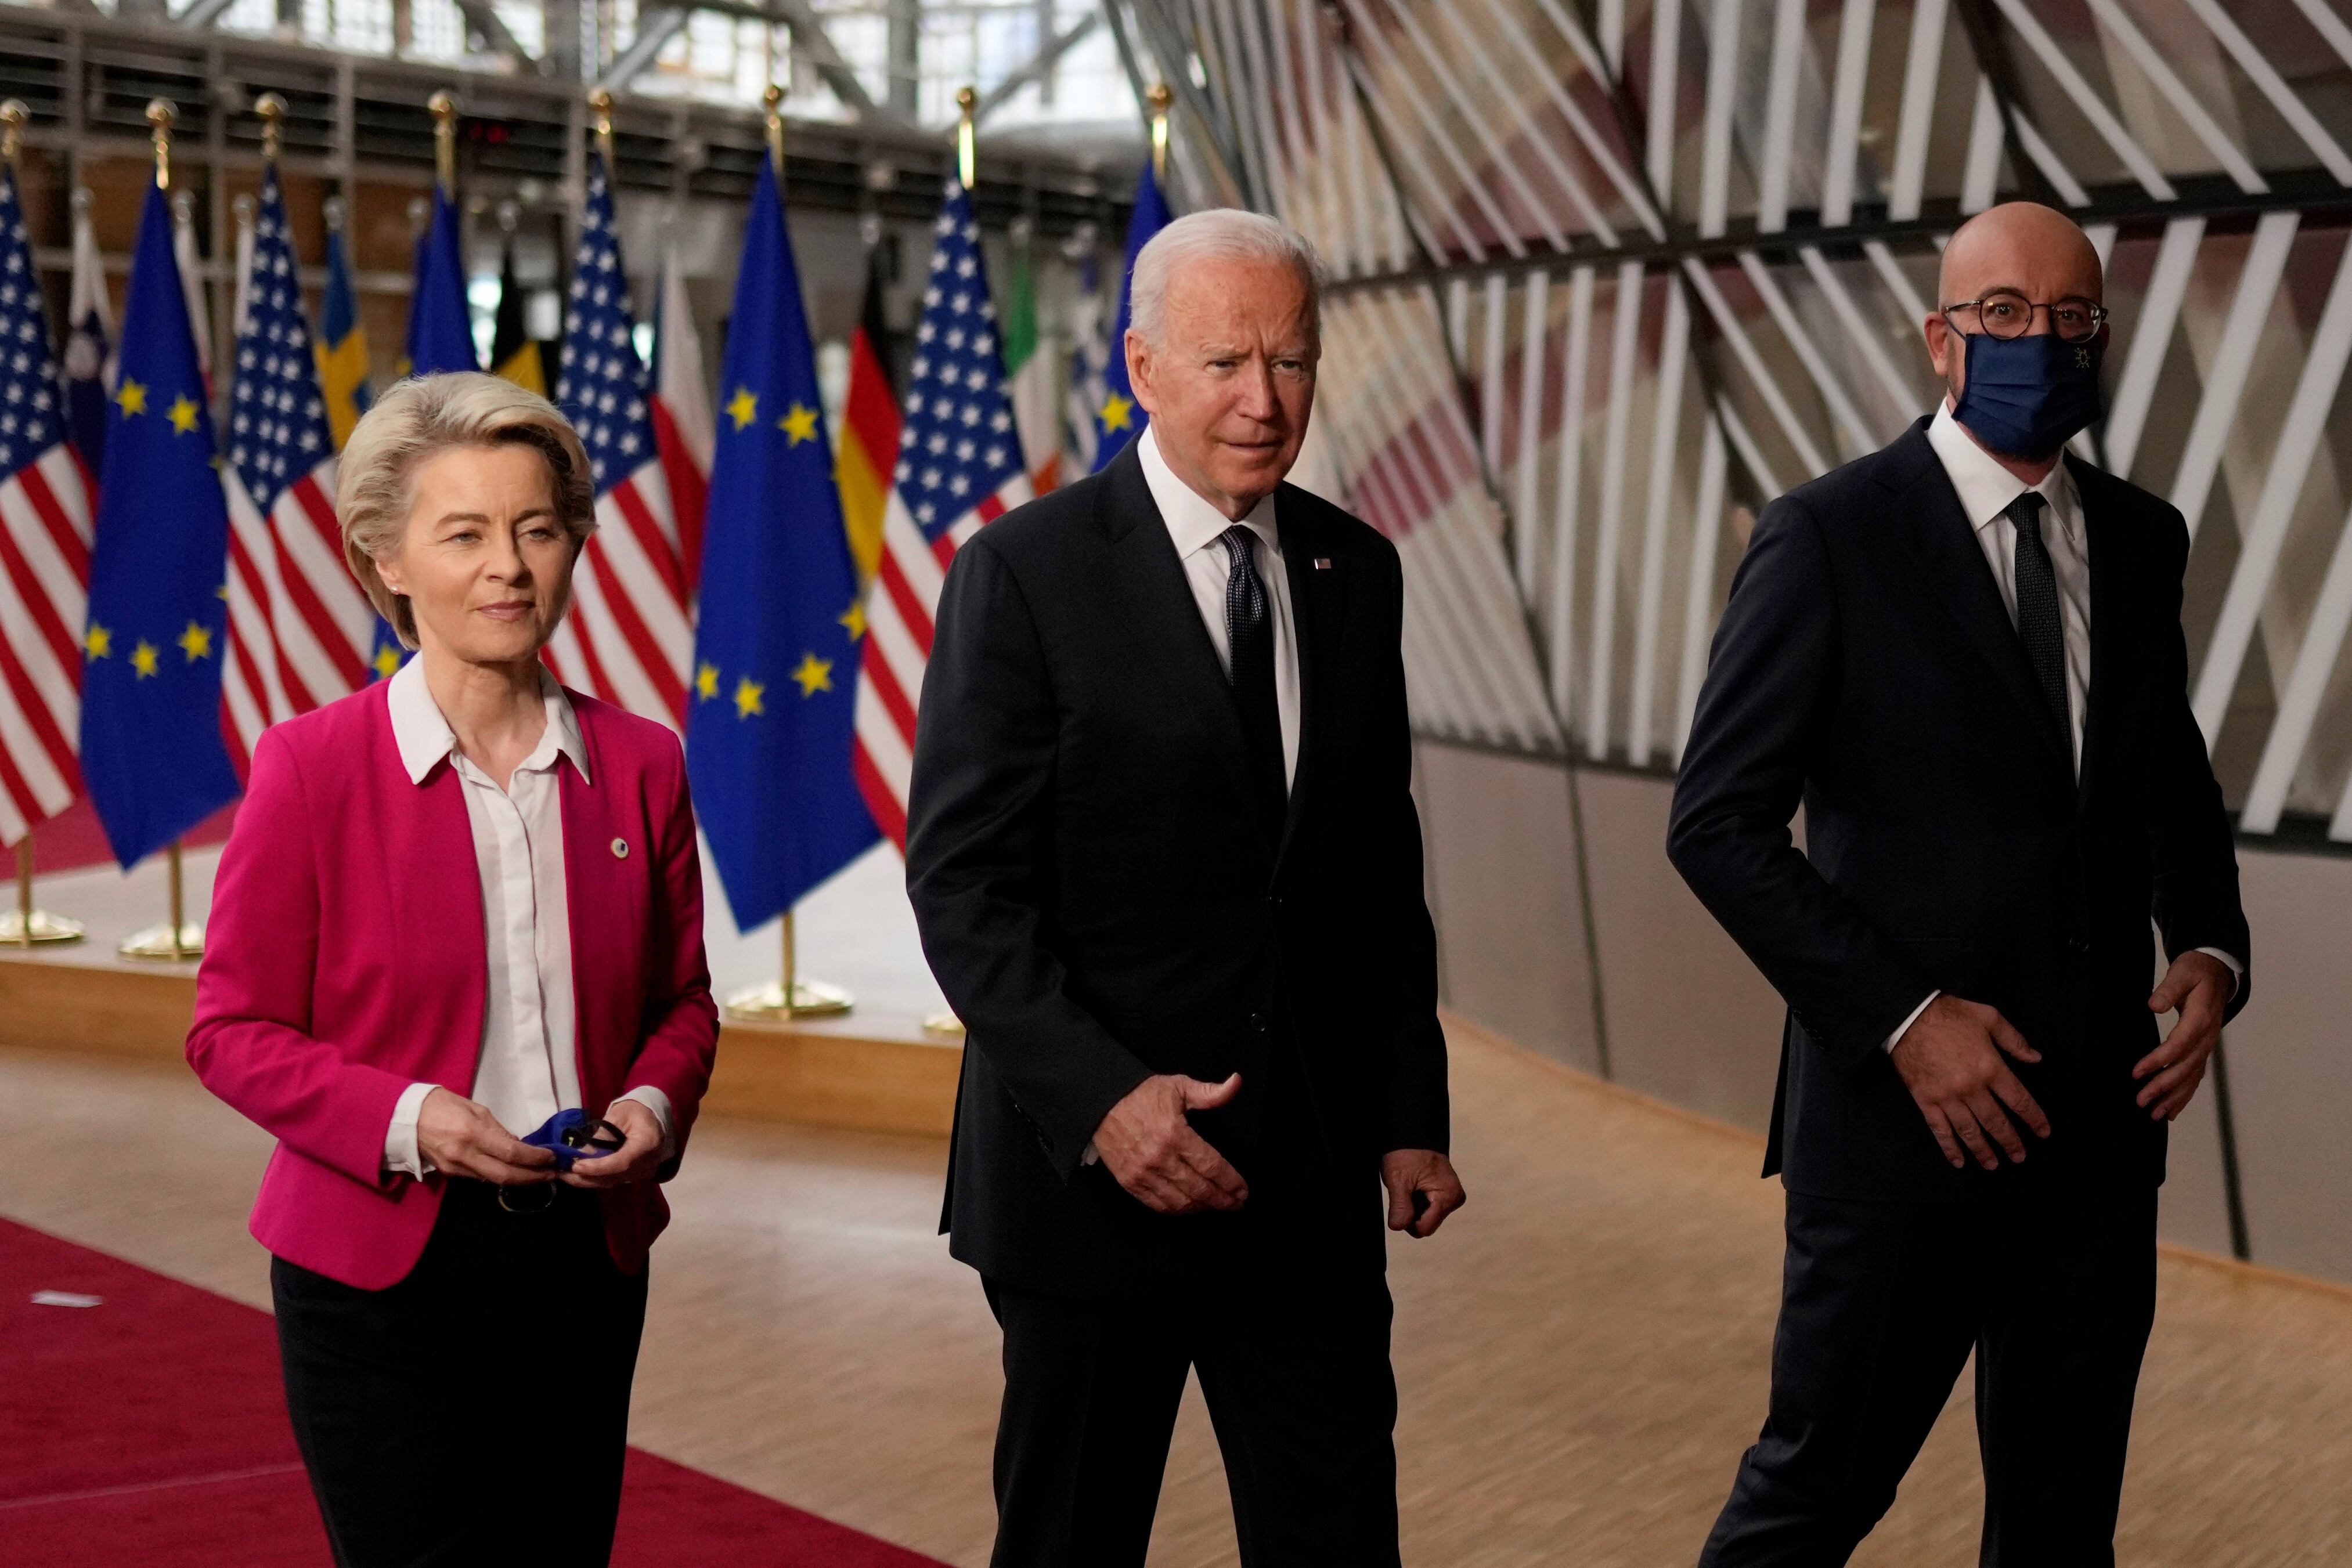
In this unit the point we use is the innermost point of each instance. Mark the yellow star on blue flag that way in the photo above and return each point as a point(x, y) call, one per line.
point(151, 751)
point(773, 785)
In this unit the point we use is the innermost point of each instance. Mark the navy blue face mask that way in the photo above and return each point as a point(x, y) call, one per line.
point(2028, 396)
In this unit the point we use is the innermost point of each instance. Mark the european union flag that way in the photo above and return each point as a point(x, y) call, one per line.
point(440, 333)
point(775, 666)
point(1118, 419)
point(158, 626)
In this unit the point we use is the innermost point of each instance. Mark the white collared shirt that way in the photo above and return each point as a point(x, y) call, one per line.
point(1986, 489)
point(528, 1068)
point(1194, 525)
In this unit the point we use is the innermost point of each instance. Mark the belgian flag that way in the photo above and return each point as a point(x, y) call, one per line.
point(869, 427)
point(513, 354)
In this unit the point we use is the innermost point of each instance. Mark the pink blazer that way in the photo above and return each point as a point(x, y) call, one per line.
point(345, 960)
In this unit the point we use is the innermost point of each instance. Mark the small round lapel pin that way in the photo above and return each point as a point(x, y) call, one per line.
point(620, 849)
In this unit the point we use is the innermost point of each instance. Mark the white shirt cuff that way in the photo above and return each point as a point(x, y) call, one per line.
point(1087, 1156)
point(2237, 970)
point(1904, 1028)
point(401, 1154)
point(654, 1100)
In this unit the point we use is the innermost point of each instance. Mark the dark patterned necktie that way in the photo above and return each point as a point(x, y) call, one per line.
point(2039, 624)
point(1249, 641)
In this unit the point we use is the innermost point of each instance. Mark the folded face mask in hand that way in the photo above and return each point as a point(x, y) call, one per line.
point(574, 1135)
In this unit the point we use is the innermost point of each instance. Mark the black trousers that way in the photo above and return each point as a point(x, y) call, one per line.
point(2052, 1287)
point(1284, 1317)
point(479, 1410)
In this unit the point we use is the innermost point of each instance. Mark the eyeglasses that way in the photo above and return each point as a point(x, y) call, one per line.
point(2005, 313)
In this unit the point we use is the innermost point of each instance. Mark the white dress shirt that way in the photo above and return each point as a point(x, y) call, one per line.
point(1194, 525)
point(1986, 489)
point(528, 1068)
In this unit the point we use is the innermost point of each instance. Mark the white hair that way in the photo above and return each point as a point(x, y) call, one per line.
point(1218, 234)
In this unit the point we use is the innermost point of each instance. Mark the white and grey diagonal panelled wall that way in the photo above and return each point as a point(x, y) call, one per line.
point(1613, 274)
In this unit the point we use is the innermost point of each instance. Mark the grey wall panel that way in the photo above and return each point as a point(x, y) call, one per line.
point(1690, 1020)
point(2194, 1210)
point(2290, 1072)
point(1502, 863)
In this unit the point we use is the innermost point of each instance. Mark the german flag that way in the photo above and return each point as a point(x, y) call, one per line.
point(869, 427)
point(513, 354)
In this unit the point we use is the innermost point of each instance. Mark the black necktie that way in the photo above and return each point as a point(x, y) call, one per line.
point(1249, 641)
point(2037, 621)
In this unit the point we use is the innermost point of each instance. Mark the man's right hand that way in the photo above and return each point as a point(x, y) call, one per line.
point(460, 1138)
point(1146, 1144)
point(1950, 1058)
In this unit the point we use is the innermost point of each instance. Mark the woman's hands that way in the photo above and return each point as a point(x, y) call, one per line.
point(637, 1160)
point(460, 1138)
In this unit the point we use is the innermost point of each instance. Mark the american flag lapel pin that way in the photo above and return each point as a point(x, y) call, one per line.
point(1322, 563)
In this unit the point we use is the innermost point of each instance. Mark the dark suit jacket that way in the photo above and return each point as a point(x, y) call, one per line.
point(1867, 665)
point(1095, 896)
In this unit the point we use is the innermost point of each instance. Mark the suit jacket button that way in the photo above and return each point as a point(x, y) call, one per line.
point(1257, 1023)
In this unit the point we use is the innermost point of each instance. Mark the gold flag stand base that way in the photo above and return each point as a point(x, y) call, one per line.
point(810, 1000)
point(944, 1022)
point(22, 928)
point(783, 1000)
point(176, 940)
point(25, 926)
point(157, 942)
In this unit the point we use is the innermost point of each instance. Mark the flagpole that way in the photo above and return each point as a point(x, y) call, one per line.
point(1159, 98)
point(443, 107)
point(944, 1021)
point(772, 103)
point(967, 152)
point(178, 940)
point(25, 925)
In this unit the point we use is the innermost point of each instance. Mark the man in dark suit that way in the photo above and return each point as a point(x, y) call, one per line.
point(1964, 656)
point(1168, 870)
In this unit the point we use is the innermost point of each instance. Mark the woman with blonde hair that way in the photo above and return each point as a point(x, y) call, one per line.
point(455, 968)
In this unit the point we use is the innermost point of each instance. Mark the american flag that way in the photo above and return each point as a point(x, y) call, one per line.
point(299, 629)
point(630, 635)
point(959, 465)
point(46, 501)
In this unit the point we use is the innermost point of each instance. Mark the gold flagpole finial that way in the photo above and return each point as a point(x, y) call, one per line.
point(772, 103)
point(160, 114)
point(13, 115)
point(600, 105)
point(1159, 98)
point(967, 158)
point(272, 110)
point(443, 107)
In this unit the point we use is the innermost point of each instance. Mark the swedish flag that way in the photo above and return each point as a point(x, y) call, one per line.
point(158, 626)
point(1119, 419)
point(775, 664)
point(342, 346)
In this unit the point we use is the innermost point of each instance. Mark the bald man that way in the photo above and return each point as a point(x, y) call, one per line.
point(1962, 654)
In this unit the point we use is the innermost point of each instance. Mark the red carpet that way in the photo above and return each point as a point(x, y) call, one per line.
point(151, 1430)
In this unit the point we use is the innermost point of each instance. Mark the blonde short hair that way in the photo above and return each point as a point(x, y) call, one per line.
point(423, 417)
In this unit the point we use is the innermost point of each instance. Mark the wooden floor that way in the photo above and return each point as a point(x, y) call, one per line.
point(1582, 1352)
